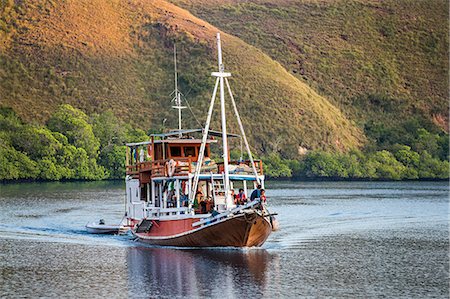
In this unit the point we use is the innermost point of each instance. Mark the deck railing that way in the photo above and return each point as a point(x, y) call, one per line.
point(160, 168)
point(154, 212)
point(241, 165)
point(139, 167)
point(183, 166)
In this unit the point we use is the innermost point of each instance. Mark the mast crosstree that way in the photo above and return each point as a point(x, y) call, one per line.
point(220, 82)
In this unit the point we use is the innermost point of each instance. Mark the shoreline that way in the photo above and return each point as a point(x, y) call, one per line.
point(336, 179)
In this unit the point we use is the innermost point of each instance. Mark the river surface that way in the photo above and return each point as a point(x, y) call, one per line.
point(336, 239)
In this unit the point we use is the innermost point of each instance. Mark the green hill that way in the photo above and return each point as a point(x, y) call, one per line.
point(375, 60)
point(96, 56)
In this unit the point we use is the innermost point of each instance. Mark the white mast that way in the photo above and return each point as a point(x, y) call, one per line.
point(224, 123)
point(201, 154)
point(221, 79)
point(177, 94)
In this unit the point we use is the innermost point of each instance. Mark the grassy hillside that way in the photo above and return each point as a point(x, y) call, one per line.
point(382, 61)
point(98, 55)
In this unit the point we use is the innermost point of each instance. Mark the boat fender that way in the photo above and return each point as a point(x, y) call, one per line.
point(170, 167)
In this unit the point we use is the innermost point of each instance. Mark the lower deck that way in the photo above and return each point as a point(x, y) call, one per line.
point(168, 198)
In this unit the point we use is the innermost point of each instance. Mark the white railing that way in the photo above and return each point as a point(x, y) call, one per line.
point(155, 212)
point(152, 212)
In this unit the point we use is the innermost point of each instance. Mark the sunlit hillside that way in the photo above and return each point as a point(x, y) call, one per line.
point(376, 60)
point(118, 55)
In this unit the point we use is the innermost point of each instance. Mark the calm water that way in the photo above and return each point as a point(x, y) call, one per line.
point(337, 239)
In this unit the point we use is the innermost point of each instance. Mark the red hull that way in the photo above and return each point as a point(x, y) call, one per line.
point(243, 230)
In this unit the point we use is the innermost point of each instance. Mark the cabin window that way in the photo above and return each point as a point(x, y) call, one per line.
point(189, 151)
point(175, 151)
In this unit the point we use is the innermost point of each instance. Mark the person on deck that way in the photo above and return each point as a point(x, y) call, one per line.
point(209, 205)
point(233, 195)
point(256, 193)
point(184, 200)
point(198, 198)
point(263, 196)
point(241, 199)
point(203, 207)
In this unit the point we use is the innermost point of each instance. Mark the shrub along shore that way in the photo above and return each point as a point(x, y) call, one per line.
point(75, 146)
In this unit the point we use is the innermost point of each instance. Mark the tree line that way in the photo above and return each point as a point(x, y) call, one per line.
point(71, 146)
point(422, 155)
point(75, 146)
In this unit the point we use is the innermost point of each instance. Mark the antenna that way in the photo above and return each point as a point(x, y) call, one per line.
point(177, 94)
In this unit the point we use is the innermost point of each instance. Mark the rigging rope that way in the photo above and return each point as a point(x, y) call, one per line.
point(192, 112)
point(241, 127)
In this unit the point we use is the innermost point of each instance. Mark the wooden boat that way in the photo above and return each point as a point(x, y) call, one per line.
point(176, 195)
point(246, 229)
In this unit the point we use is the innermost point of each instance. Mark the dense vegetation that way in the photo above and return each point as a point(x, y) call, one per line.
point(423, 155)
point(403, 164)
point(71, 146)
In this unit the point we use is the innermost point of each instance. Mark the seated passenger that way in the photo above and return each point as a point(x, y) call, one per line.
point(241, 199)
point(263, 196)
point(203, 207)
point(198, 198)
point(256, 193)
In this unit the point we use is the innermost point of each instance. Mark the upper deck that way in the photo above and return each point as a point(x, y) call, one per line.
point(176, 154)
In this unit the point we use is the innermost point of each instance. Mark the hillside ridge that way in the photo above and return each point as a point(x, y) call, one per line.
point(118, 58)
point(374, 60)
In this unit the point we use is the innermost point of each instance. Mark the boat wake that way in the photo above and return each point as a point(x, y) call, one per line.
point(67, 235)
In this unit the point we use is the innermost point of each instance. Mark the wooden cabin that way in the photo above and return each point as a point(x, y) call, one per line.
point(169, 157)
point(145, 160)
point(152, 158)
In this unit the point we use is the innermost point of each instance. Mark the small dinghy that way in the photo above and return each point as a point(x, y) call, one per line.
point(101, 228)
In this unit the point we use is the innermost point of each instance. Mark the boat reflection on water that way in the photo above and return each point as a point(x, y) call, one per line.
point(199, 272)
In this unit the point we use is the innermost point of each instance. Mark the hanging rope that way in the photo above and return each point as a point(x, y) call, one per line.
point(241, 127)
point(202, 148)
point(192, 112)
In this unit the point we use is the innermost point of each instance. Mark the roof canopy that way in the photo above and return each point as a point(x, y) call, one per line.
point(176, 133)
point(189, 131)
